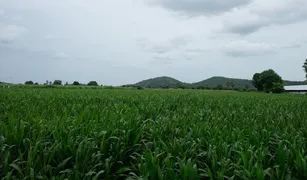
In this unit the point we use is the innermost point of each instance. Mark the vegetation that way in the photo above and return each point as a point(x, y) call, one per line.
point(29, 82)
point(57, 82)
point(159, 82)
point(211, 83)
point(305, 67)
point(277, 88)
point(76, 83)
point(269, 81)
point(59, 133)
point(92, 83)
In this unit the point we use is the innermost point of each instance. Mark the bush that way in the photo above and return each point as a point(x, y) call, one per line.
point(29, 82)
point(76, 83)
point(277, 88)
point(92, 83)
point(139, 88)
point(57, 82)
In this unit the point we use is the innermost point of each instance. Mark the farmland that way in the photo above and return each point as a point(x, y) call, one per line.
point(151, 134)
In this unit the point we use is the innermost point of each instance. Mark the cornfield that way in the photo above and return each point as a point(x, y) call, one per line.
point(151, 134)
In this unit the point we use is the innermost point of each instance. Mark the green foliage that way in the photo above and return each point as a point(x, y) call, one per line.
point(268, 80)
point(277, 88)
point(256, 82)
point(76, 83)
point(268, 77)
point(92, 83)
point(305, 67)
point(159, 82)
point(57, 82)
point(151, 134)
point(29, 83)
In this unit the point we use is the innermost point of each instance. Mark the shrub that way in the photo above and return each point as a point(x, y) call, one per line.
point(57, 82)
point(29, 82)
point(76, 83)
point(92, 83)
point(277, 88)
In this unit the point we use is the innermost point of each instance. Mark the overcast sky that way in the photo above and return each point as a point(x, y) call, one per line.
point(119, 42)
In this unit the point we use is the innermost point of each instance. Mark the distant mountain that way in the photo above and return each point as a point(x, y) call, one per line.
point(293, 83)
point(213, 82)
point(159, 82)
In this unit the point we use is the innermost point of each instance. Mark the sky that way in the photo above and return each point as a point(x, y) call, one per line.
point(116, 42)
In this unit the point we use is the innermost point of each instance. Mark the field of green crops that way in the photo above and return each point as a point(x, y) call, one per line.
point(151, 134)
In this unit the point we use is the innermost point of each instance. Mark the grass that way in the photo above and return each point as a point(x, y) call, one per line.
point(133, 134)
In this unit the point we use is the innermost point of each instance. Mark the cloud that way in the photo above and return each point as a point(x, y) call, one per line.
point(292, 46)
point(263, 13)
point(49, 36)
point(245, 48)
point(199, 7)
point(10, 33)
point(1, 12)
point(61, 55)
point(17, 18)
point(164, 46)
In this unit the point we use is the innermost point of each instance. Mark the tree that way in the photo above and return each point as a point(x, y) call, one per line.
point(219, 87)
point(265, 80)
point(233, 84)
point(228, 84)
point(36, 83)
point(92, 83)
point(256, 82)
point(305, 67)
point(57, 82)
point(76, 83)
point(246, 87)
point(29, 82)
point(66, 83)
point(277, 88)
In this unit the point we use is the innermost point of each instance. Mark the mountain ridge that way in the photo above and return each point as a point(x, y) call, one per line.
point(212, 82)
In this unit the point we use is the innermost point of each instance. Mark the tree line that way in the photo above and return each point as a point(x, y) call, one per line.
point(59, 83)
point(268, 81)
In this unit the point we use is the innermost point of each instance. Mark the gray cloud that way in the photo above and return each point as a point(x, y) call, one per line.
point(112, 50)
point(162, 47)
point(199, 7)
point(61, 55)
point(10, 33)
point(245, 48)
point(292, 46)
point(254, 17)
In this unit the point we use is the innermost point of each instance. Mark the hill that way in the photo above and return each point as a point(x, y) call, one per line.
point(213, 82)
point(225, 82)
point(159, 82)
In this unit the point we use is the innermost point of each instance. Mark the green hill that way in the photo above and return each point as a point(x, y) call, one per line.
point(159, 82)
point(213, 82)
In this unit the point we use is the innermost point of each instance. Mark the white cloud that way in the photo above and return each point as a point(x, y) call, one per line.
point(61, 55)
point(10, 33)
point(1, 12)
point(244, 48)
point(49, 36)
point(17, 18)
